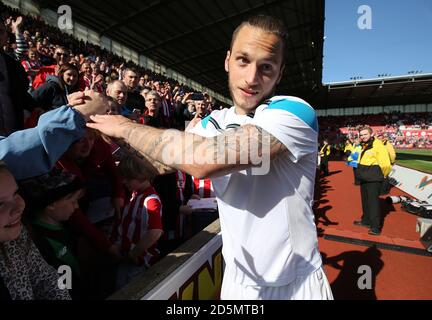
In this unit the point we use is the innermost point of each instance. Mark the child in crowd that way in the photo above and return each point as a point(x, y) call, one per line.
point(140, 225)
point(51, 199)
point(24, 274)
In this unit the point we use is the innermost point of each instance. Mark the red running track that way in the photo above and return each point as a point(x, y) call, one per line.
point(395, 274)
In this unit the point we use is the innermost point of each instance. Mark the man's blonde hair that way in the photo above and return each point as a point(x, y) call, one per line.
point(362, 128)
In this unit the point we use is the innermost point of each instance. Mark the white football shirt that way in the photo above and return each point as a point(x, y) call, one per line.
point(268, 229)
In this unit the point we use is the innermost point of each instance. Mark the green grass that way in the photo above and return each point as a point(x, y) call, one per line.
point(416, 159)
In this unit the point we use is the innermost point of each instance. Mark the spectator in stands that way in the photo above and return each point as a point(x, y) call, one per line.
point(14, 98)
point(98, 80)
point(166, 112)
point(85, 79)
point(61, 56)
point(145, 91)
point(140, 225)
point(134, 99)
point(200, 105)
point(373, 166)
point(45, 59)
point(24, 274)
point(118, 91)
point(90, 159)
point(114, 75)
point(20, 46)
point(141, 83)
point(51, 200)
point(53, 93)
point(103, 69)
point(31, 65)
point(184, 109)
point(91, 78)
point(152, 116)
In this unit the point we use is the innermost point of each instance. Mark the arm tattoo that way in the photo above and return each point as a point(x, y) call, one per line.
point(239, 144)
point(153, 166)
point(234, 150)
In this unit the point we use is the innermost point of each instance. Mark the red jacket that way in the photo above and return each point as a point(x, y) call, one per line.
point(40, 78)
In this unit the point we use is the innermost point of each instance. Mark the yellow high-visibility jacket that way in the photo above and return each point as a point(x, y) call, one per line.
point(374, 164)
point(325, 150)
point(348, 147)
point(391, 151)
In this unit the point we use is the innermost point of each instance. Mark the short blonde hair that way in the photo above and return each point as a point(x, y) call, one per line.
point(362, 128)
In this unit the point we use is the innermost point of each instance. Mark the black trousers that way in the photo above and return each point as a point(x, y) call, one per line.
point(324, 165)
point(356, 181)
point(370, 192)
point(386, 186)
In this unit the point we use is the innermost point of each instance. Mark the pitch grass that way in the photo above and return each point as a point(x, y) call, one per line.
point(416, 159)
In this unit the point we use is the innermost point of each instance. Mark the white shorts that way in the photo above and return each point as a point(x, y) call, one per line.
point(312, 287)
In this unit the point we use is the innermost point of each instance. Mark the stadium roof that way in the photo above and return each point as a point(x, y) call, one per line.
point(409, 89)
point(192, 36)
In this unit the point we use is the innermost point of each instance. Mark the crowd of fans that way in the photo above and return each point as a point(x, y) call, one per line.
point(99, 210)
point(403, 130)
point(43, 49)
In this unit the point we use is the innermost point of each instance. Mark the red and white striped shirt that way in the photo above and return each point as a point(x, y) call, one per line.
point(203, 188)
point(142, 213)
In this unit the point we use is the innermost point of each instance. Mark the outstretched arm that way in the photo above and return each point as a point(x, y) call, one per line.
point(154, 167)
point(234, 150)
point(34, 151)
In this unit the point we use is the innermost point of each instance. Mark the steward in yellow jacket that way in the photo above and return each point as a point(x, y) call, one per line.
point(373, 166)
point(324, 154)
point(374, 163)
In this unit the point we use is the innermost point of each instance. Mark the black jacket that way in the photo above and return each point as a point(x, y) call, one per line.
point(19, 96)
point(50, 95)
point(135, 101)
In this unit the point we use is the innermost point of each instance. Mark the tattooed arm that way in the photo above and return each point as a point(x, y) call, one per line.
point(234, 150)
point(154, 167)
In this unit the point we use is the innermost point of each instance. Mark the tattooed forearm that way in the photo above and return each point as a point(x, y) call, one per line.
point(237, 146)
point(154, 167)
point(233, 150)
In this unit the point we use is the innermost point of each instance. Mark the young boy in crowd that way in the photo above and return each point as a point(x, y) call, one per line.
point(51, 199)
point(140, 225)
